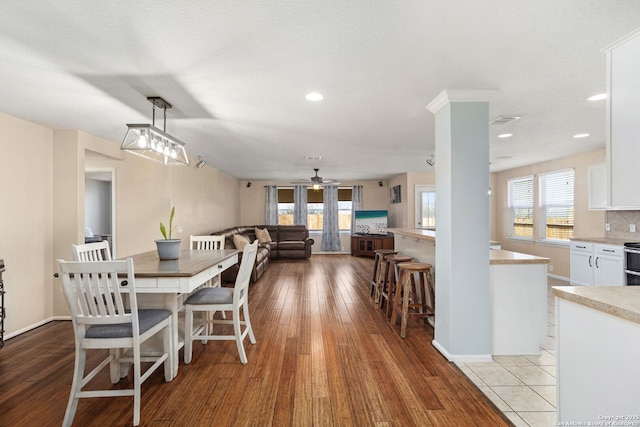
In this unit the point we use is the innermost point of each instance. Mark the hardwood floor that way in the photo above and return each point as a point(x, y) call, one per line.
point(325, 356)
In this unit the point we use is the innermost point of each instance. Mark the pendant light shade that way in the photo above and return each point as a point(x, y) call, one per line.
point(152, 143)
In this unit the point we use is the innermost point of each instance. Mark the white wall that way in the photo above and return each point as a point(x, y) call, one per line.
point(26, 221)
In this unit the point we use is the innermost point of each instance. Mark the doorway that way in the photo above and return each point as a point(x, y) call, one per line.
point(99, 207)
point(426, 206)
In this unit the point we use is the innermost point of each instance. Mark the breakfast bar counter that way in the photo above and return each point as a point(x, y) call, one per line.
point(518, 286)
point(598, 344)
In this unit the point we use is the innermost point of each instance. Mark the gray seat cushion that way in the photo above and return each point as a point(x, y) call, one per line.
point(215, 295)
point(147, 319)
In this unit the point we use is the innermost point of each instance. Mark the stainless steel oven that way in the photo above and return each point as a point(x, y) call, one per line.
point(632, 263)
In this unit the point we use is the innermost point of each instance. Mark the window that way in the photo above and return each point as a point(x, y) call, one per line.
point(425, 206)
point(521, 207)
point(314, 208)
point(556, 203)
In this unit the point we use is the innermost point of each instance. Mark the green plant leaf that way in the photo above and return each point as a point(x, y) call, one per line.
point(171, 215)
point(163, 230)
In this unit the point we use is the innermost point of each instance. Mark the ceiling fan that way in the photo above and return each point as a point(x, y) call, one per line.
point(316, 181)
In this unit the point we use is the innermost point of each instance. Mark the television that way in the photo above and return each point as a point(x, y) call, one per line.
point(371, 222)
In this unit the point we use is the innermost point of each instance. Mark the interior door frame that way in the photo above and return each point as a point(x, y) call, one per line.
point(112, 173)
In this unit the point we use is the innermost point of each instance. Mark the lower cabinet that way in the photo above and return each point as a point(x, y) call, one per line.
point(596, 264)
point(366, 245)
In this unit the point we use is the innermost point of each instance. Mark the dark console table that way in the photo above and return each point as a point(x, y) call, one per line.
point(366, 244)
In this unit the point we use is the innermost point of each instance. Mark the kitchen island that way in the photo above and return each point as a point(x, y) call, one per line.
point(597, 350)
point(518, 286)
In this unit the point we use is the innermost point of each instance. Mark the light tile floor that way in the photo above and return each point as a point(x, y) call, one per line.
point(523, 387)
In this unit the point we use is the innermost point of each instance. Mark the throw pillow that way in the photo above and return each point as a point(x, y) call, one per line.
point(240, 241)
point(263, 235)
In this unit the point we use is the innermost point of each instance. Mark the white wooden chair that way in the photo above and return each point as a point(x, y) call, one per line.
point(98, 251)
point(94, 293)
point(207, 242)
point(223, 299)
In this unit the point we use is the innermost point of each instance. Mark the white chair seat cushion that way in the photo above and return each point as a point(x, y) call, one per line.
point(215, 295)
point(147, 318)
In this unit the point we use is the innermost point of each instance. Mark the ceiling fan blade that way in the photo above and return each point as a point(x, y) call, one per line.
point(316, 180)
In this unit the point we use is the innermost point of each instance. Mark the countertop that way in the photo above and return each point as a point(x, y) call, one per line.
point(414, 232)
point(499, 256)
point(496, 256)
point(620, 301)
point(602, 240)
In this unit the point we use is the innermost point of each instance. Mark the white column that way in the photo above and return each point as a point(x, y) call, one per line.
point(462, 323)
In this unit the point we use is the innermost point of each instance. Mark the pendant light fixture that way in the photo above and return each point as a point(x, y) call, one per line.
point(148, 141)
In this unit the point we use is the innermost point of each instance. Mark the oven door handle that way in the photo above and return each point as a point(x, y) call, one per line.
point(632, 251)
point(633, 273)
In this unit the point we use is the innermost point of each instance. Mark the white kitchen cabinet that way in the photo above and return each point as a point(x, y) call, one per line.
point(598, 187)
point(623, 133)
point(596, 350)
point(596, 264)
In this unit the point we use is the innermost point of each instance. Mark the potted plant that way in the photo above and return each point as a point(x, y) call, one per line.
point(168, 248)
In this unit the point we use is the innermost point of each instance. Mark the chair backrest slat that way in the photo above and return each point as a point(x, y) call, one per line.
point(94, 293)
point(207, 242)
point(244, 273)
point(98, 251)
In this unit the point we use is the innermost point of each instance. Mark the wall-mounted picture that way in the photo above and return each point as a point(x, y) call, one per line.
point(395, 194)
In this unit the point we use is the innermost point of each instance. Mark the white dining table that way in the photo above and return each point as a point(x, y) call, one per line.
point(167, 283)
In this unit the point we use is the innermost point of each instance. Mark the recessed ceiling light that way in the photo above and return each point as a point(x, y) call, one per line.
point(597, 97)
point(505, 135)
point(581, 135)
point(314, 96)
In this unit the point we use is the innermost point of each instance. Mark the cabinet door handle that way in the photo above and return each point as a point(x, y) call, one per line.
point(597, 262)
point(590, 265)
point(609, 250)
point(581, 247)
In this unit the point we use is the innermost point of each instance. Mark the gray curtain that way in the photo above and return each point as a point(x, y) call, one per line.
point(356, 205)
point(330, 226)
point(271, 217)
point(300, 205)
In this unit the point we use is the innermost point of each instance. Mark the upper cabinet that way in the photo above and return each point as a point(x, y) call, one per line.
point(623, 119)
point(598, 187)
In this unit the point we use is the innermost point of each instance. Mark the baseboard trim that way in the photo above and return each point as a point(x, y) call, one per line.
point(555, 276)
point(35, 325)
point(461, 358)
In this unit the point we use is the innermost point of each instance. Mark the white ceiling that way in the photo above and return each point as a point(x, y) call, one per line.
point(236, 73)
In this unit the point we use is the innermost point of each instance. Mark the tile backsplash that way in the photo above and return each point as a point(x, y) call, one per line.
point(619, 222)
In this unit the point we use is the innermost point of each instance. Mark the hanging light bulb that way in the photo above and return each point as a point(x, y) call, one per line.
point(142, 139)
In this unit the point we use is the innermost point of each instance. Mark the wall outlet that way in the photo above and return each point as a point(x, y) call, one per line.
point(607, 227)
point(632, 228)
point(550, 268)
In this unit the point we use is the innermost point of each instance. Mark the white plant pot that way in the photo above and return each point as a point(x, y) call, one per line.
point(169, 249)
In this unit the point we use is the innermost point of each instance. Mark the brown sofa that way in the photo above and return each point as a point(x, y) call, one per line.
point(288, 241)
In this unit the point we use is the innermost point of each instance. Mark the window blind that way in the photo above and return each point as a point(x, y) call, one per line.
point(557, 190)
point(521, 205)
point(522, 193)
